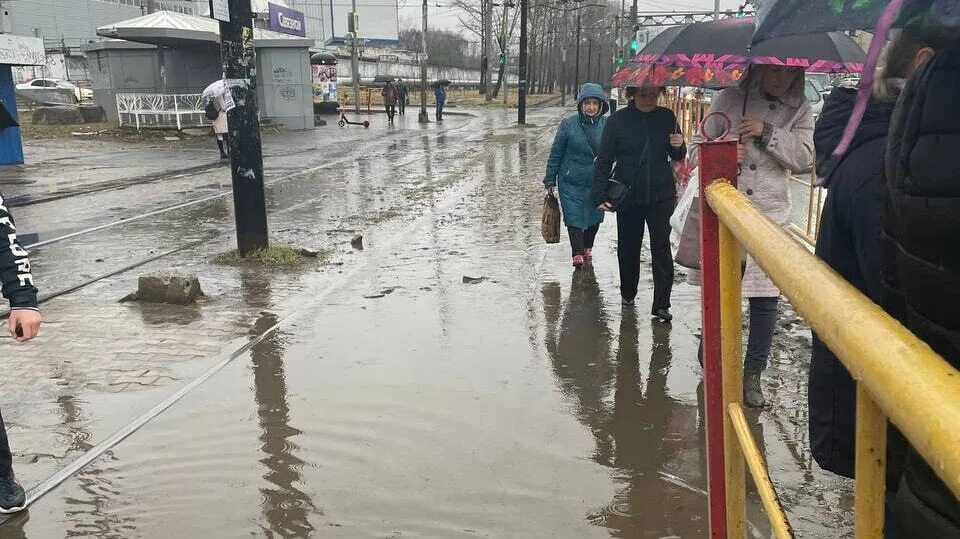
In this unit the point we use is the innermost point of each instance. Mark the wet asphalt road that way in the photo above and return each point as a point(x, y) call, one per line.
point(394, 399)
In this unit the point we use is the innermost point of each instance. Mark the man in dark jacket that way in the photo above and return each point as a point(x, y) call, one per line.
point(402, 97)
point(642, 139)
point(921, 259)
point(24, 323)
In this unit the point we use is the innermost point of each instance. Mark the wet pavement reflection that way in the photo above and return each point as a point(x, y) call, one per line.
point(456, 378)
point(637, 426)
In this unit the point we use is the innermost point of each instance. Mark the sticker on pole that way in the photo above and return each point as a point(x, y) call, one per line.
point(220, 10)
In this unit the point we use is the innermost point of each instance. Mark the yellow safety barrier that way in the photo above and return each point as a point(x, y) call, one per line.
point(809, 231)
point(898, 375)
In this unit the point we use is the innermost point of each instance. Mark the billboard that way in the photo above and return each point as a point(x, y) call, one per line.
point(379, 21)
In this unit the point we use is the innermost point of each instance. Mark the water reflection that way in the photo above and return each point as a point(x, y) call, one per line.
point(640, 430)
point(14, 526)
point(286, 508)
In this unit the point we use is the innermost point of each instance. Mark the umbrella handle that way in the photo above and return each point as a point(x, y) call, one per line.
point(723, 134)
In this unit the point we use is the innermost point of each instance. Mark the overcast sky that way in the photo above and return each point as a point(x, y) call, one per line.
point(441, 14)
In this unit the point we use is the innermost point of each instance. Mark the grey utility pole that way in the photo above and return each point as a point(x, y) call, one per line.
point(522, 88)
point(246, 153)
point(423, 69)
point(506, 52)
point(355, 56)
point(576, 63)
point(488, 46)
point(716, 10)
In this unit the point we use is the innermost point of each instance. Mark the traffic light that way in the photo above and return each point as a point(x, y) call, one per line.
point(741, 11)
point(620, 59)
point(635, 42)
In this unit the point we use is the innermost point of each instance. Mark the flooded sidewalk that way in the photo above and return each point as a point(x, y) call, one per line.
point(456, 378)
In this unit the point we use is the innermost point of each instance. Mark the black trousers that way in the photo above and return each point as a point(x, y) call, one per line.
point(403, 106)
point(630, 221)
point(582, 239)
point(763, 325)
point(391, 112)
point(6, 460)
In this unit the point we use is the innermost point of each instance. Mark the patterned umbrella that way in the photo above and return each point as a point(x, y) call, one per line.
point(716, 54)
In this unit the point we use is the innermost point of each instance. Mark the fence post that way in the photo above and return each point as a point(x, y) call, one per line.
point(871, 467)
point(176, 111)
point(718, 160)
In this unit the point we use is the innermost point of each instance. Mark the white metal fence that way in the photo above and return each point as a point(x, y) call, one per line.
point(161, 110)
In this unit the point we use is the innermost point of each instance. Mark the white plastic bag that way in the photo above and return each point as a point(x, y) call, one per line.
point(679, 217)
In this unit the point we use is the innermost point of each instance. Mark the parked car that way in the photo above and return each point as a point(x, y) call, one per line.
point(815, 94)
point(850, 81)
point(83, 94)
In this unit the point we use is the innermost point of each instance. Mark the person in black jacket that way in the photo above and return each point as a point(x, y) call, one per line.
point(920, 250)
point(24, 323)
point(849, 241)
point(642, 139)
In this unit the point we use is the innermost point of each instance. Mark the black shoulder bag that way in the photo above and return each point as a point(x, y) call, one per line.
point(618, 193)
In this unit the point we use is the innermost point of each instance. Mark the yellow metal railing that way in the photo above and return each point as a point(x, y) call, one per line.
point(809, 230)
point(898, 376)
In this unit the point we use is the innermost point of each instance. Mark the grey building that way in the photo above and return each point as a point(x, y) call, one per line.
point(74, 23)
point(66, 26)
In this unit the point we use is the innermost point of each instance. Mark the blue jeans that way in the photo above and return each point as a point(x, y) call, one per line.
point(440, 111)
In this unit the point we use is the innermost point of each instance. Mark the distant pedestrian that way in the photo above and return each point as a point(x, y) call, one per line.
point(570, 170)
point(774, 122)
point(402, 97)
point(641, 139)
point(23, 324)
point(440, 94)
point(217, 102)
point(389, 94)
point(221, 127)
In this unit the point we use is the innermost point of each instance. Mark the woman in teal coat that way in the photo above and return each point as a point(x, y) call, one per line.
point(570, 168)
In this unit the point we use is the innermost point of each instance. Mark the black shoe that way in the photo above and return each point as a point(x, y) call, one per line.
point(752, 391)
point(12, 497)
point(628, 302)
point(663, 314)
point(224, 156)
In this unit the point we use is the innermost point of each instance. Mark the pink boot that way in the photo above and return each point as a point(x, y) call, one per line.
point(578, 261)
point(588, 255)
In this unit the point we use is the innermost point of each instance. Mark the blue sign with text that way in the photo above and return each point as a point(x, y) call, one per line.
point(287, 21)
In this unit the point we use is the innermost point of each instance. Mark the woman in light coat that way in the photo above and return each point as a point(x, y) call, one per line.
point(220, 128)
point(775, 124)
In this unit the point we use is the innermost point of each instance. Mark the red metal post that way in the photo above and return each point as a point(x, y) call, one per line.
point(717, 160)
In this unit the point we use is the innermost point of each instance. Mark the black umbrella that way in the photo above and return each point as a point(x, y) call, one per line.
point(785, 17)
point(383, 79)
point(717, 53)
point(441, 82)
